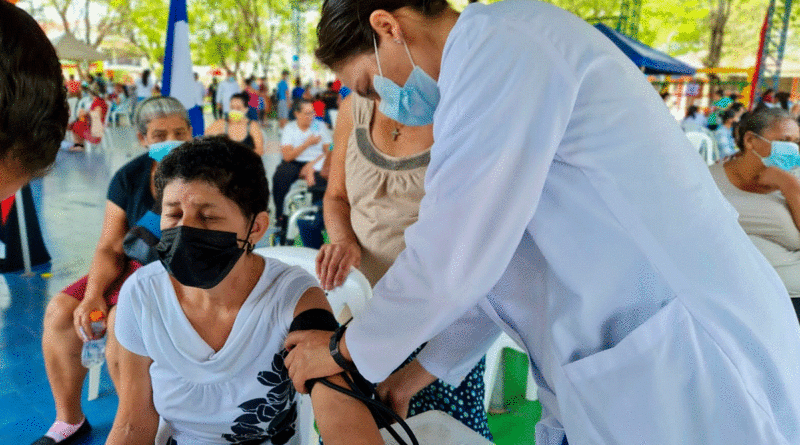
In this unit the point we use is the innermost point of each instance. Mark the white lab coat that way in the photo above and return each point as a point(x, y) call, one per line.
point(559, 182)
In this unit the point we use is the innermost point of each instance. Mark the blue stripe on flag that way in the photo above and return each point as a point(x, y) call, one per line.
point(178, 79)
point(198, 123)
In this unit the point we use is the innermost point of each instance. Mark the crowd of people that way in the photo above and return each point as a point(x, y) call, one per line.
point(642, 284)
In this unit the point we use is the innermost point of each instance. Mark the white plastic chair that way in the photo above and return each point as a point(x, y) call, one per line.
point(493, 359)
point(298, 196)
point(292, 228)
point(348, 299)
point(704, 145)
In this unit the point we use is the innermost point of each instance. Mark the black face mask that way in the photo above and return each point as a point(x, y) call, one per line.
point(200, 257)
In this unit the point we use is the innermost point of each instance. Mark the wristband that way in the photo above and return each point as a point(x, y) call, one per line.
point(343, 363)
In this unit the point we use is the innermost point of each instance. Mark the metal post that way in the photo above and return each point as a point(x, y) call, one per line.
point(23, 234)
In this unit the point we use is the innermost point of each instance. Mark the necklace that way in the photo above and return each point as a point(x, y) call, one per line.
point(395, 133)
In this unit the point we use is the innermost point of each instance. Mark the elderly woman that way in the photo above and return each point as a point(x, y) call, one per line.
point(757, 182)
point(238, 126)
point(127, 240)
point(375, 186)
point(187, 324)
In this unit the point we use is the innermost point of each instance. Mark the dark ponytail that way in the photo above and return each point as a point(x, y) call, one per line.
point(344, 28)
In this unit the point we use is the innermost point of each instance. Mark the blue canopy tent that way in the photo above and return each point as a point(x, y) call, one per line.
point(652, 61)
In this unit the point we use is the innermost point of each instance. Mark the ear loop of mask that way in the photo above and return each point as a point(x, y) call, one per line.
point(248, 246)
point(375, 44)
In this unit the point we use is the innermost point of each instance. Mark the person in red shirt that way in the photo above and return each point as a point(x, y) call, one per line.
point(95, 117)
point(73, 86)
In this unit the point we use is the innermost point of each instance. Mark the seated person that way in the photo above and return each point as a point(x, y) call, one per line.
point(238, 127)
point(187, 323)
point(756, 181)
point(123, 247)
point(304, 145)
point(724, 133)
point(91, 115)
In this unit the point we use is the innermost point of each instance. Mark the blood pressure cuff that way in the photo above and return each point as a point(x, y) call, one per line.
point(314, 319)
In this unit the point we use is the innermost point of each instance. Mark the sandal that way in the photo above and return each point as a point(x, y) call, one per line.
point(80, 433)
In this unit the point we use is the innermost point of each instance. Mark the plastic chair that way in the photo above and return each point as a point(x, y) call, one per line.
point(704, 145)
point(297, 197)
point(493, 358)
point(292, 229)
point(348, 299)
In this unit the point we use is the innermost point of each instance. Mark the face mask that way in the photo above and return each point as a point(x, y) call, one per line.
point(159, 150)
point(784, 155)
point(235, 115)
point(199, 257)
point(414, 103)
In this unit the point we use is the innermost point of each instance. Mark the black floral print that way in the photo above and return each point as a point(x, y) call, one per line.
point(272, 417)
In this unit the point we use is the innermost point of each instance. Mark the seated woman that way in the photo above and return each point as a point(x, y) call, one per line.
point(239, 127)
point(757, 182)
point(124, 246)
point(88, 125)
point(375, 187)
point(202, 331)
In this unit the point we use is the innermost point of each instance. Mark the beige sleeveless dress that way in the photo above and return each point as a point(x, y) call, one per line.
point(384, 193)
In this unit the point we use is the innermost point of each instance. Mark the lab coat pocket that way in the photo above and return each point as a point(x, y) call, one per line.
point(666, 382)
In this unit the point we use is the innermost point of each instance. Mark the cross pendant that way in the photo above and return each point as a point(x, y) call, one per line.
point(395, 133)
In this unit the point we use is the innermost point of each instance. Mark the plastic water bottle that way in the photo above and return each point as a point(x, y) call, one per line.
point(94, 351)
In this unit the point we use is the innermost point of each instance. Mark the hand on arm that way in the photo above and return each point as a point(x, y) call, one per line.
point(107, 265)
point(136, 421)
point(290, 152)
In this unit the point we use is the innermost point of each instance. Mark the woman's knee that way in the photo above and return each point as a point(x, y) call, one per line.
point(59, 312)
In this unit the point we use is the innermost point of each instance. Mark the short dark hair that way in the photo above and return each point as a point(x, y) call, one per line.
point(33, 99)
point(233, 168)
point(344, 28)
point(298, 105)
point(244, 97)
point(759, 120)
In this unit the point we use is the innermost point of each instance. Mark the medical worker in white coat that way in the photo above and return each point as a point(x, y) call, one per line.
point(561, 187)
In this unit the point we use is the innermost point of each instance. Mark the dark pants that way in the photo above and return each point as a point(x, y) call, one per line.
point(285, 175)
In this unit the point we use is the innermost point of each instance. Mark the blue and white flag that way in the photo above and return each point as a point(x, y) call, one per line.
point(178, 79)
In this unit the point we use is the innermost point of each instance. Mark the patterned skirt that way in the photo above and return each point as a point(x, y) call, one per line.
point(464, 403)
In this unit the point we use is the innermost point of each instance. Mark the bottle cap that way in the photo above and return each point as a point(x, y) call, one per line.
point(96, 315)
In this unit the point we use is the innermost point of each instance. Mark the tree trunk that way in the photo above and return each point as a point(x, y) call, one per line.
point(718, 19)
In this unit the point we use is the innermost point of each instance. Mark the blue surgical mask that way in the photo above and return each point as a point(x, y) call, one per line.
point(414, 103)
point(784, 155)
point(159, 150)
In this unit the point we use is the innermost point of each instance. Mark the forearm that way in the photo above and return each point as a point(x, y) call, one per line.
point(336, 211)
point(342, 419)
point(107, 266)
point(125, 433)
point(290, 154)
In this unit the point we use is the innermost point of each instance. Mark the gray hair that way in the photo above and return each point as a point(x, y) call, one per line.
point(155, 108)
point(759, 120)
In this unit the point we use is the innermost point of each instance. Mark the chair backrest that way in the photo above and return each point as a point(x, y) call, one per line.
point(348, 299)
point(703, 144)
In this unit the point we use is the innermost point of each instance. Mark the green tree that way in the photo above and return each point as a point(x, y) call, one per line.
point(145, 26)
